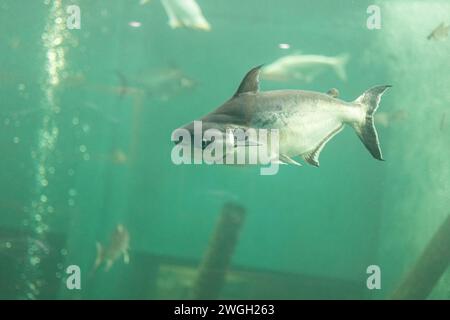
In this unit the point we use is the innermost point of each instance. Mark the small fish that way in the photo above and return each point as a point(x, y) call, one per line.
point(117, 156)
point(185, 13)
point(117, 247)
point(303, 67)
point(306, 120)
point(440, 32)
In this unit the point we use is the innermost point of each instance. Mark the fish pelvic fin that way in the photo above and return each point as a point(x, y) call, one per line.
point(365, 129)
point(339, 66)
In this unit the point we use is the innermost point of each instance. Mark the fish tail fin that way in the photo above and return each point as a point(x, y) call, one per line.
point(339, 66)
point(365, 129)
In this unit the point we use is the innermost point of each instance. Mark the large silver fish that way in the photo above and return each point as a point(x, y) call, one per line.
point(305, 120)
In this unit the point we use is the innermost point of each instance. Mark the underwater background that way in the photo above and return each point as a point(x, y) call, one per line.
point(86, 117)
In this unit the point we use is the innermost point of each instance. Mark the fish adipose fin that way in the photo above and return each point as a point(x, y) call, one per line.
point(312, 157)
point(250, 83)
point(366, 130)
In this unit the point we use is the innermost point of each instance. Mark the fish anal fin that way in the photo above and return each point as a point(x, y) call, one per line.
point(312, 157)
point(250, 83)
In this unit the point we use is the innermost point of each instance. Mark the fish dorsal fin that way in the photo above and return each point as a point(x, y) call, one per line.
point(250, 83)
point(333, 92)
point(312, 157)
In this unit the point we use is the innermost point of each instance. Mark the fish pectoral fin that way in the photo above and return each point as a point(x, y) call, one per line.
point(333, 92)
point(99, 257)
point(287, 160)
point(250, 83)
point(312, 157)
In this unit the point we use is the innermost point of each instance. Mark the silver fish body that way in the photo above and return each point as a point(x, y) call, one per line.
point(305, 120)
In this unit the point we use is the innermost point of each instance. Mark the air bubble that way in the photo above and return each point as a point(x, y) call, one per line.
point(86, 128)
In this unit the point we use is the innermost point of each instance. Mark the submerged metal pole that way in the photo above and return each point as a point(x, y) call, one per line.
point(217, 259)
point(430, 266)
